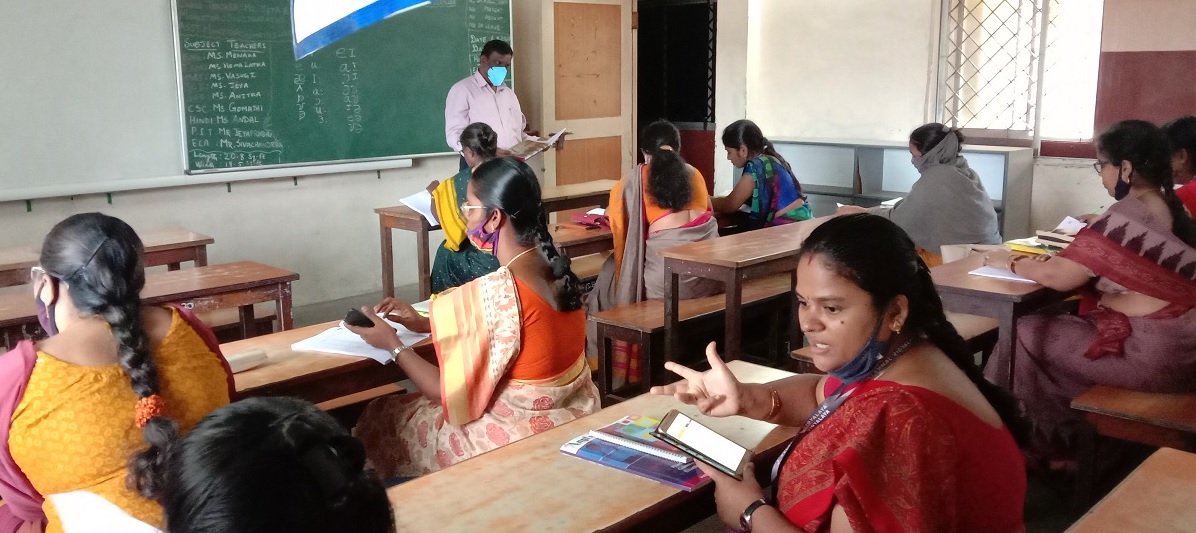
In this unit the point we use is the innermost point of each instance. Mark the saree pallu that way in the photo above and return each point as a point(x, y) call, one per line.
point(476, 329)
point(903, 459)
point(635, 272)
point(1060, 356)
point(457, 261)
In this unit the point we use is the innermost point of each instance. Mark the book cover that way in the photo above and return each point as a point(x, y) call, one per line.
point(635, 432)
point(684, 476)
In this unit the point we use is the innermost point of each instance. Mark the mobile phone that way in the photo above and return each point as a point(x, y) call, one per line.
point(703, 443)
point(357, 318)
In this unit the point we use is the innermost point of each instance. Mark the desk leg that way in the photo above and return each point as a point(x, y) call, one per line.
point(672, 333)
point(734, 316)
point(248, 328)
point(388, 259)
point(282, 307)
point(425, 270)
point(201, 256)
point(1003, 351)
point(174, 266)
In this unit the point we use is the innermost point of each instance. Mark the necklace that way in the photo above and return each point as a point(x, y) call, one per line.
point(516, 258)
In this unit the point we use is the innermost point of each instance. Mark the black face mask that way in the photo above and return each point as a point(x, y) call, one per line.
point(1122, 189)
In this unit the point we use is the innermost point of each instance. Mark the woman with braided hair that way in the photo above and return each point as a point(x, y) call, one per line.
point(90, 411)
point(510, 344)
point(904, 434)
point(1136, 265)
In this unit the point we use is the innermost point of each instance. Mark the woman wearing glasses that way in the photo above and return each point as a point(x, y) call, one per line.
point(948, 203)
point(510, 344)
point(458, 261)
point(89, 410)
point(1137, 267)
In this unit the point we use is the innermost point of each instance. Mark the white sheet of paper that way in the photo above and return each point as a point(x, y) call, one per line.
point(421, 202)
point(1069, 226)
point(340, 340)
point(422, 307)
point(555, 137)
point(892, 202)
point(999, 273)
point(597, 211)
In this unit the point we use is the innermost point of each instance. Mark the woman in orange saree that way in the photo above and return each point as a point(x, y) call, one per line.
point(510, 344)
point(903, 435)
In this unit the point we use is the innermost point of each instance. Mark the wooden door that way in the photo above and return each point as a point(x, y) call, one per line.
point(585, 83)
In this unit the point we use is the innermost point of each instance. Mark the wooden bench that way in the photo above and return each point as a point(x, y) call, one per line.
point(226, 322)
point(587, 268)
point(237, 285)
point(643, 324)
point(979, 332)
point(168, 247)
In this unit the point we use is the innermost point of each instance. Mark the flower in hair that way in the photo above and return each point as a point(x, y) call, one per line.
point(149, 407)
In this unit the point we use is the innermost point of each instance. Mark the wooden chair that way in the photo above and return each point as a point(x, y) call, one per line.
point(642, 324)
point(979, 332)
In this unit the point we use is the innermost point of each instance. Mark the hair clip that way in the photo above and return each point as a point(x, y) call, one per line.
point(149, 407)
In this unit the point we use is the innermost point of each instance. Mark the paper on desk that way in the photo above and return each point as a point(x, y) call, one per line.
point(1069, 226)
point(597, 211)
point(421, 202)
point(892, 202)
point(339, 340)
point(999, 273)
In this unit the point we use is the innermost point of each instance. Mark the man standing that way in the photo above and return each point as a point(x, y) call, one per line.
point(482, 97)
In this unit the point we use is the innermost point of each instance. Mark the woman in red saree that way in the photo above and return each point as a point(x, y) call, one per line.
point(510, 344)
point(903, 435)
point(1137, 327)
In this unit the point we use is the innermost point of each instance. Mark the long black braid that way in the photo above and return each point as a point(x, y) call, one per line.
point(510, 186)
point(99, 259)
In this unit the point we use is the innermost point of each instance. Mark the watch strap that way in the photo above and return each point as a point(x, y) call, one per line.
point(745, 519)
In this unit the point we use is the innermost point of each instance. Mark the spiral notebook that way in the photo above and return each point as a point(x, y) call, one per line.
point(635, 432)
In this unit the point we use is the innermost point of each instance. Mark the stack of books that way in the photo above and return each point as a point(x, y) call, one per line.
point(628, 445)
point(1048, 242)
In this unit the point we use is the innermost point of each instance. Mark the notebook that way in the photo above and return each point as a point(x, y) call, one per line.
point(635, 432)
point(684, 476)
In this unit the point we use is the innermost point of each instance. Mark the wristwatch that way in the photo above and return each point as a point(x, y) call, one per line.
point(745, 519)
point(398, 349)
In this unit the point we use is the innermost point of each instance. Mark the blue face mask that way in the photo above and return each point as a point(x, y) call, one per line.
point(864, 363)
point(496, 75)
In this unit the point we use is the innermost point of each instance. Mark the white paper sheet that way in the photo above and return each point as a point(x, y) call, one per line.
point(1069, 226)
point(597, 211)
point(999, 273)
point(422, 307)
point(340, 340)
point(421, 202)
point(892, 202)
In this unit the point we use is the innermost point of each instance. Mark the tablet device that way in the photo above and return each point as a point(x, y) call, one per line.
point(703, 443)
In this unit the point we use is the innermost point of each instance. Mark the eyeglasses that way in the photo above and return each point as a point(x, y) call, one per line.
point(1099, 165)
point(36, 273)
point(465, 207)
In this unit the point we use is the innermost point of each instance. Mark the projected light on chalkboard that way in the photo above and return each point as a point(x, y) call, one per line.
point(318, 23)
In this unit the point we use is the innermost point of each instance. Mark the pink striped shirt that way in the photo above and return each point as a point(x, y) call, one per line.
point(472, 100)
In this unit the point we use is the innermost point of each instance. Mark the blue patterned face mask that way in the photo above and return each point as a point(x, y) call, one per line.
point(496, 75)
point(864, 362)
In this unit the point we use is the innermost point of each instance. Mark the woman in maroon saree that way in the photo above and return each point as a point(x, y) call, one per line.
point(903, 435)
point(1137, 266)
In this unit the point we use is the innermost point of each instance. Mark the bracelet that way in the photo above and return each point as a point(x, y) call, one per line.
point(1013, 259)
point(776, 405)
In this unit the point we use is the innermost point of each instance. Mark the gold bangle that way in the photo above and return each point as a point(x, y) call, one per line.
point(776, 405)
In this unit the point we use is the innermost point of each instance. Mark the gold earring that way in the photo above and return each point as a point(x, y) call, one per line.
point(896, 327)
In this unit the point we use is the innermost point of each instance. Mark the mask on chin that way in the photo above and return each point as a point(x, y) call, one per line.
point(1121, 190)
point(482, 239)
point(864, 362)
point(496, 75)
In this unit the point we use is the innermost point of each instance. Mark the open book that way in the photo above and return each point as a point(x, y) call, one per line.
point(529, 148)
point(1063, 234)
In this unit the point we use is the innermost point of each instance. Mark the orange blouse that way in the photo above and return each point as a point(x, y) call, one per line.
point(698, 201)
point(552, 341)
point(74, 427)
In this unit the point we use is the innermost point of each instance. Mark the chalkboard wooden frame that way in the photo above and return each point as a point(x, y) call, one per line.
point(400, 156)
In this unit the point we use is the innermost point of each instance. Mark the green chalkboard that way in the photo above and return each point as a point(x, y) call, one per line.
point(378, 93)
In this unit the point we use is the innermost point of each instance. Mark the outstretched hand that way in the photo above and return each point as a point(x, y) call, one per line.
point(715, 392)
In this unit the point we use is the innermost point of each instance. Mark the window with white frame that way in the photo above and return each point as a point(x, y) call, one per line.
point(993, 54)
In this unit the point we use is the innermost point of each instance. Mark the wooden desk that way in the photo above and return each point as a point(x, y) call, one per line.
point(1156, 497)
point(1003, 300)
point(732, 260)
point(163, 247)
point(560, 198)
point(313, 376)
point(531, 486)
point(1152, 418)
point(205, 288)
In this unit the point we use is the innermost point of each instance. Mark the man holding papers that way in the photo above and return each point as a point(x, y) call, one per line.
point(484, 97)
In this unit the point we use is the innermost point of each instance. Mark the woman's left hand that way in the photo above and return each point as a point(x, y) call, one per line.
point(731, 496)
point(380, 336)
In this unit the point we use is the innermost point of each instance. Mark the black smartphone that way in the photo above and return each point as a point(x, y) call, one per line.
point(703, 443)
point(356, 318)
